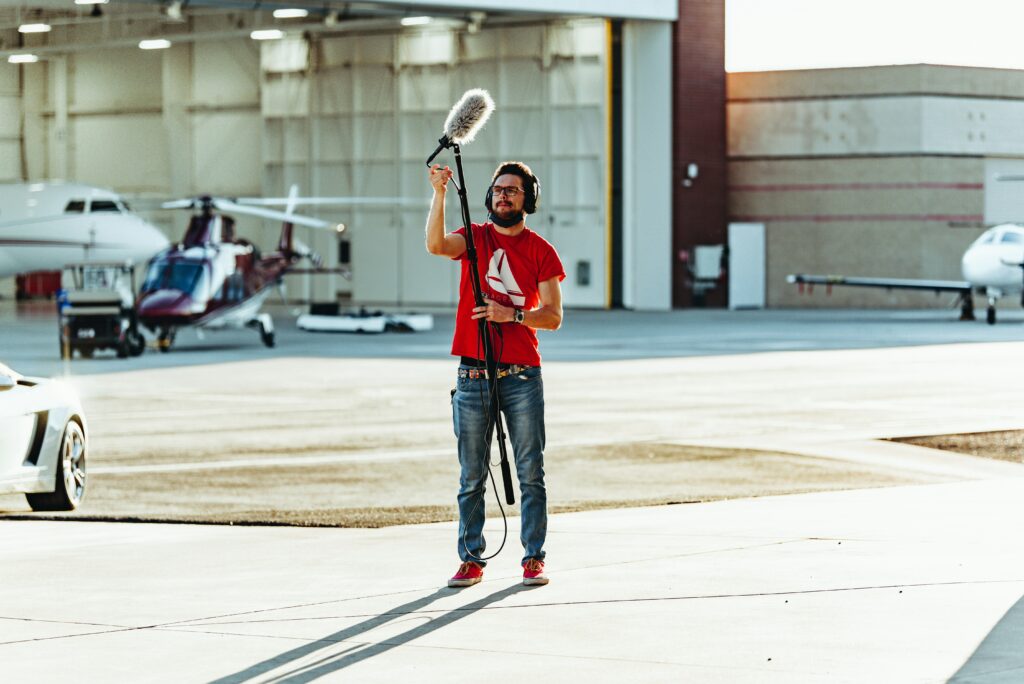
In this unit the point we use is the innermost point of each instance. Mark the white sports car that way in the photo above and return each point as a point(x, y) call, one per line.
point(42, 442)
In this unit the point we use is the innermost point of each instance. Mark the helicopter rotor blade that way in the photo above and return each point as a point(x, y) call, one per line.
point(187, 203)
point(296, 219)
point(293, 195)
point(332, 201)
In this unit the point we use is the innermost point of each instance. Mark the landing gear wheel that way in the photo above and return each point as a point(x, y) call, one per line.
point(135, 342)
point(265, 324)
point(164, 340)
point(990, 315)
point(966, 307)
point(69, 480)
point(267, 337)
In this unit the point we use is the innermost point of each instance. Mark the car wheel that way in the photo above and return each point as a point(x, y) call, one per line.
point(69, 481)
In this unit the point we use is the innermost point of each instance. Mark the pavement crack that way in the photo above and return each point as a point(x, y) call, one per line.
point(649, 599)
point(62, 622)
point(493, 651)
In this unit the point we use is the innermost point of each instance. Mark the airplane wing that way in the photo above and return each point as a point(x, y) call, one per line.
point(961, 286)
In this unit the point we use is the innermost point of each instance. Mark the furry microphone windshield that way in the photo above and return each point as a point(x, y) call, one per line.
point(468, 116)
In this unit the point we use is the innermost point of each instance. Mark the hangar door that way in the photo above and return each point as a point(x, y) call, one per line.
point(360, 115)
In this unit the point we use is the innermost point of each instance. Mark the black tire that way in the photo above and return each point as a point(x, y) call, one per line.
point(165, 340)
point(122, 350)
point(69, 480)
point(86, 352)
point(267, 337)
point(990, 315)
point(136, 343)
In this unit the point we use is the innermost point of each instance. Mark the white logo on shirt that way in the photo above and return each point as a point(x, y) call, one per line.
point(500, 278)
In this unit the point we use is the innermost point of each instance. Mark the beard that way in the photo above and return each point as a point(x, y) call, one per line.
point(506, 221)
point(505, 216)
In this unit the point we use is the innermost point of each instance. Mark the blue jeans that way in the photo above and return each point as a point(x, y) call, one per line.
point(522, 404)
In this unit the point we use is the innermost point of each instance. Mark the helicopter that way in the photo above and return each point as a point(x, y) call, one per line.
point(214, 279)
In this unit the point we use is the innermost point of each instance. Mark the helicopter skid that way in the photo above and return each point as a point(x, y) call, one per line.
point(366, 323)
point(245, 314)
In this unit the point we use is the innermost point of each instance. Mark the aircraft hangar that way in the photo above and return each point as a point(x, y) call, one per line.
point(185, 97)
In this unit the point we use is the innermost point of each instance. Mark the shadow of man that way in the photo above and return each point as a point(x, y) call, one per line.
point(360, 652)
point(999, 657)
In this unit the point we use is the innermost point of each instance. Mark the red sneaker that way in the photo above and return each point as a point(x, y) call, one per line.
point(533, 573)
point(469, 574)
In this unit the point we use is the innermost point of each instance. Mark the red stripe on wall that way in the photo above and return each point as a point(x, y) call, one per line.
point(817, 187)
point(833, 218)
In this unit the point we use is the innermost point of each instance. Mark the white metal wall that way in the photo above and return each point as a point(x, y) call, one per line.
point(363, 117)
point(10, 125)
point(647, 164)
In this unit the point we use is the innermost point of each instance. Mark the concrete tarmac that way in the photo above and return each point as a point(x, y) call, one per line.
point(902, 584)
point(919, 583)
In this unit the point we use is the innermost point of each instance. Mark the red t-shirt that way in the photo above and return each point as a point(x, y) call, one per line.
point(511, 271)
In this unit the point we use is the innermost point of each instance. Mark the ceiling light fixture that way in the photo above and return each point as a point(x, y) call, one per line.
point(154, 44)
point(267, 34)
point(173, 10)
point(476, 20)
point(415, 21)
point(291, 13)
point(23, 59)
point(34, 28)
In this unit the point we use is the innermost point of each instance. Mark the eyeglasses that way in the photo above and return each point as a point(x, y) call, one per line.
point(511, 192)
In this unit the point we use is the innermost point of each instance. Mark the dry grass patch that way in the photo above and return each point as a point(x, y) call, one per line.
point(1004, 445)
point(419, 490)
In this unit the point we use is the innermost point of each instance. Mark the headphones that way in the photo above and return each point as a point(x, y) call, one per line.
point(531, 191)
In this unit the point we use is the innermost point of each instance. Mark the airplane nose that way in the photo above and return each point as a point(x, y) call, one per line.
point(157, 242)
point(151, 241)
point(972, 265)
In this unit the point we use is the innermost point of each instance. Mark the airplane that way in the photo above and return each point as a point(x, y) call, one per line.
point(214, 279)
point(46, 225)
point(993, 265)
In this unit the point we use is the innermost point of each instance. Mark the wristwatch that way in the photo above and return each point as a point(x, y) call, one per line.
point(519, 316)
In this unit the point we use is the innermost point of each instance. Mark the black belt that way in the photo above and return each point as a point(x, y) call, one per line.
point(479, 371)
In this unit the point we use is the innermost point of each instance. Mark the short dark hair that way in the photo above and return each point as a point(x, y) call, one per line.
point(531, 186)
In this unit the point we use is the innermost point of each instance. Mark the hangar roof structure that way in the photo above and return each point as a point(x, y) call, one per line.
point(123, 23)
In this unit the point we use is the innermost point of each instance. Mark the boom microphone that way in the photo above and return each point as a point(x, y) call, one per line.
point(464, 120)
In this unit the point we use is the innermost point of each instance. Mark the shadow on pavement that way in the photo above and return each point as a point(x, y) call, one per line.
point(999, 657)
point(332, 662)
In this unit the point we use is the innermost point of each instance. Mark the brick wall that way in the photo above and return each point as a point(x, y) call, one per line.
point(699, 211)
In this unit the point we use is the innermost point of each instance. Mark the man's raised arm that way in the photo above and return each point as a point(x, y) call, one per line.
point(438, 241)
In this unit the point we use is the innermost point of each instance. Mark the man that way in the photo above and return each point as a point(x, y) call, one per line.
point(520, 274)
